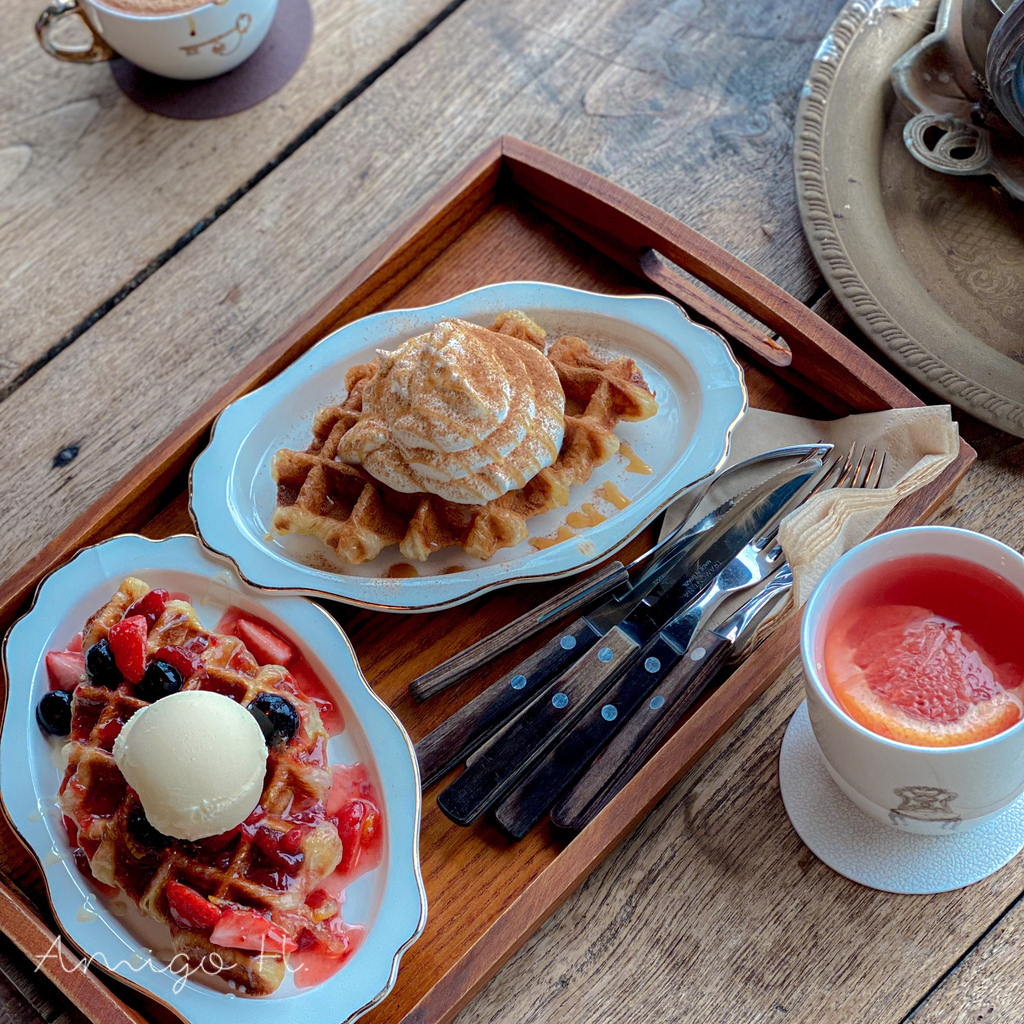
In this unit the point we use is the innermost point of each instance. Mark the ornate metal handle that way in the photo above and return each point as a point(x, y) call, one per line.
point(98, 51)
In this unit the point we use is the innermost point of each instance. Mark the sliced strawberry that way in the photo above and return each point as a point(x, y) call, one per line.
point(151, 606)
point(271, 843)
point(245, 929)
point(267, 648)
point(65, 669)
point(128, 644)
point(291, 841)
point(258, 813)
point(322, 906)
point(357, 827)
point(109, 732)
point(348, 782)
point(314, 968)
point(190, 910)
point(75, 644)
point(187, 664)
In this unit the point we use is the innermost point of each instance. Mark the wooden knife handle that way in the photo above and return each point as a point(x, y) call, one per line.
point(499, 767)
point(642, 733)
point(564, 603)
point(527, 802)
point(460, 734)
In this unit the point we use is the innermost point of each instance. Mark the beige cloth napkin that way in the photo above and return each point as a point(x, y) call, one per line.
point(918, 444)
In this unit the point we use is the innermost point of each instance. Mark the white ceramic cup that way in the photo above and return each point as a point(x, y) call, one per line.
point(927, 790)
point(198, 43)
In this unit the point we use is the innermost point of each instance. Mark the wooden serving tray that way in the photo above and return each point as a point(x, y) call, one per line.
point(516, 212)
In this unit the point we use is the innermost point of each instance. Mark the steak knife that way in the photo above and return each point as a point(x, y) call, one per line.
point(449, 744)
point(646, 728)
point(614, 578)
point(507, 760)
point(524, 806)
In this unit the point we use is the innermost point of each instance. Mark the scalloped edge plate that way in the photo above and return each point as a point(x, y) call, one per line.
point(701, 394)
point(391, 899)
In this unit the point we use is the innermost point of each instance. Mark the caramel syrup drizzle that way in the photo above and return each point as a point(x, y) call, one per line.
point(635, 463)
point(587, 516)
point(564, 533)
point(401, 571)
point(612, 495)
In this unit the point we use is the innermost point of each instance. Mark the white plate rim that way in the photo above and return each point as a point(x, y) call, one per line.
point(218, 530)
point(403, 864)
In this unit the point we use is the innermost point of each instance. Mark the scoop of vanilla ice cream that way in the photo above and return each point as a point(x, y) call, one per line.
point(196, 759)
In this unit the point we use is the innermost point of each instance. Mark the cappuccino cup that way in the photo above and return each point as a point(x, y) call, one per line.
point(182, 39)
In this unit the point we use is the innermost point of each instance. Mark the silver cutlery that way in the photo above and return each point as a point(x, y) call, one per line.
point(621, 642)
point(614, 577)
point(642, 731)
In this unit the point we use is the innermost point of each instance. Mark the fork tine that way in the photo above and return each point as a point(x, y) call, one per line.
point(856, 480)
point(881, 470)
point(829, 477)
point(847, 468)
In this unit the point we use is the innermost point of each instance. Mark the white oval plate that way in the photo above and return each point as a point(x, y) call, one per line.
point(701, 397)
point(390, 900)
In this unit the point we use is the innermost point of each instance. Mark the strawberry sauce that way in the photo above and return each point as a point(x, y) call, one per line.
point(308, 682)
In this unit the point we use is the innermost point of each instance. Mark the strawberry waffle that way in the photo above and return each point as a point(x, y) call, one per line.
point(263, 895)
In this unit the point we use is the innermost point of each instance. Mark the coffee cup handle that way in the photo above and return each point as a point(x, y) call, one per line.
point(98, 51)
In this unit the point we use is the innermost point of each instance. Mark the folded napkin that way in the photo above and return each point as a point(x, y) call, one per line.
point(918, 444)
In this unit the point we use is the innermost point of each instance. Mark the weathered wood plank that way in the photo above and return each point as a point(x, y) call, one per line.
point(669, 101)
point(92, 188)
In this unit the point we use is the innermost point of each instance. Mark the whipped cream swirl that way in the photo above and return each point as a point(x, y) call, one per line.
point(461, 412)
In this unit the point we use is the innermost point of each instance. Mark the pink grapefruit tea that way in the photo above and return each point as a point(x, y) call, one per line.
point(928, 650)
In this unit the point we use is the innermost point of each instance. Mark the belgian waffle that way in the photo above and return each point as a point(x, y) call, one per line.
point(357, 516)
point(230, 870)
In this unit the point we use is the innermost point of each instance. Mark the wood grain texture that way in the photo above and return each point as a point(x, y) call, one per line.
point(502, 764)
point(713, 910)
point(93, 188)
point(643, 731)
point(627, 88)
point(59, 963)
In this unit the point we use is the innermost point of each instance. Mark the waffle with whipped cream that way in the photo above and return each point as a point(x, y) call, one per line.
point(457, 439)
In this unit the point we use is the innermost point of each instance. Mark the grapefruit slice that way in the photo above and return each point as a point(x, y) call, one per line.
point(918, 678)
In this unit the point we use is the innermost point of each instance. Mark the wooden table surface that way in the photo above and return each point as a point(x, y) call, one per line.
point(144, 260)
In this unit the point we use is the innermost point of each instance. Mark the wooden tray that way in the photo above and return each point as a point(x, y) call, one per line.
point(516, 212)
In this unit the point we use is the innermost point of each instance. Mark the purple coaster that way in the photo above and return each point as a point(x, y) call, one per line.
point(277, 58)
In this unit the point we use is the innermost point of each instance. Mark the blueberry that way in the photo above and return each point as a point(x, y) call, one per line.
point(100, 664)
point(143, 832)
point(53, 713)
point(160, 680)
point(284, 719)
point(265, 724)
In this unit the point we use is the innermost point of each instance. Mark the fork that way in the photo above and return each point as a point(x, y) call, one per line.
point(753, 565)
point(635, 740)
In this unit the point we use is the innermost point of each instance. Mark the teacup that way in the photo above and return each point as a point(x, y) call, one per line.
point(186, 43)
point(926, 790)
